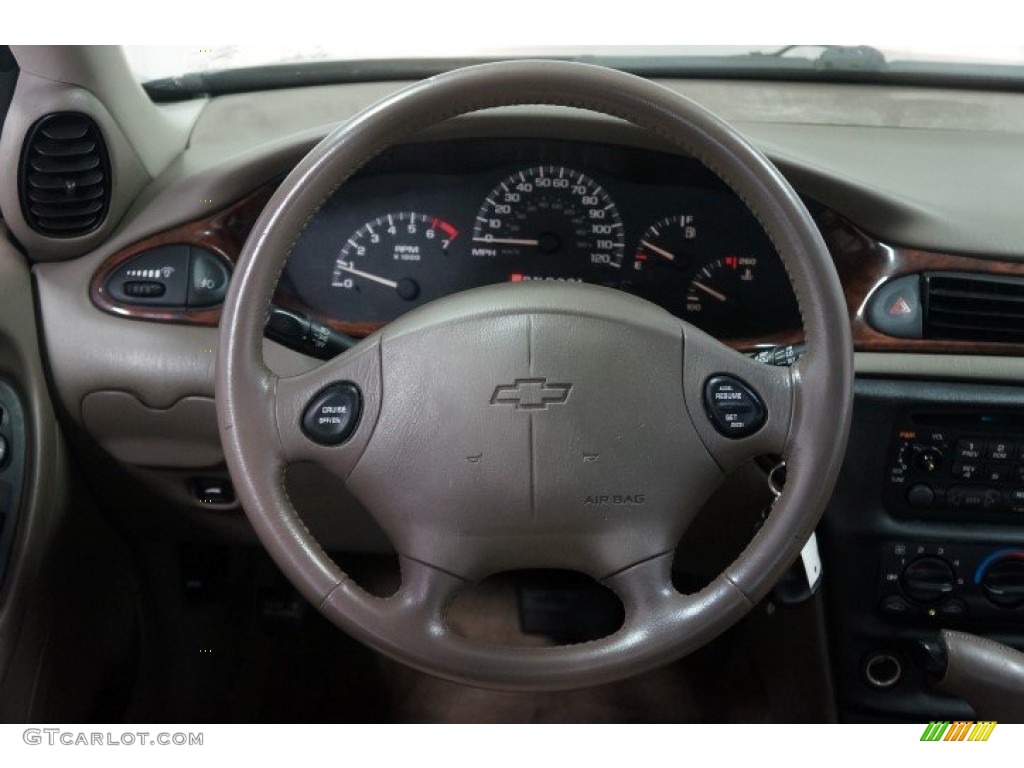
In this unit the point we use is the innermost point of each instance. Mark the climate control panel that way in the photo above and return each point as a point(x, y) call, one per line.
point(940, 581)
point(958, 466)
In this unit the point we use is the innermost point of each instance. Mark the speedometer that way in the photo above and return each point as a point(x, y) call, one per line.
point(560, 223)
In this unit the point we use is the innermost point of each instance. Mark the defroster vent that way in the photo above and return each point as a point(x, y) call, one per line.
point(972, 307)
point(65, 175)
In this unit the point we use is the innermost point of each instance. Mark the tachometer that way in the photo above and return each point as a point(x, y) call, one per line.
point(394, 262)
point(560, 223)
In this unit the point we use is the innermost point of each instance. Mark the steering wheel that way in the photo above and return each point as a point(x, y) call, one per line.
point(536, 425)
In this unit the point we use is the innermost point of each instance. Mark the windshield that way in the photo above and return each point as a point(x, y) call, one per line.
point(150, 63)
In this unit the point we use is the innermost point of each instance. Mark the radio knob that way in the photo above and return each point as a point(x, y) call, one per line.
point(928, 460)
point(920, 495)
point(928, 579)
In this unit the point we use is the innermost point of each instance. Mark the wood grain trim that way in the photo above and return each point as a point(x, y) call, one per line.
point(863, 264)
point(223, 233)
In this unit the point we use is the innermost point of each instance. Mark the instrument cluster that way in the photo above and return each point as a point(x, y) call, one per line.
point(427, 220)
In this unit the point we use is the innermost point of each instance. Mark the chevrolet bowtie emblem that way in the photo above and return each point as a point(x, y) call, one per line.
point(530, 394)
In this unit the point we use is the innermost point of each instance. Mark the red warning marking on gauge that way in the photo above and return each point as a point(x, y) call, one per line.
point(732, 262)
point(900, 307)
point(516, 277)
point(445, 227)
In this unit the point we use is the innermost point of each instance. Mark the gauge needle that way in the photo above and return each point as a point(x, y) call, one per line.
point(710, 291)
point(505, 241)
point(660, 251)
point(368, 276)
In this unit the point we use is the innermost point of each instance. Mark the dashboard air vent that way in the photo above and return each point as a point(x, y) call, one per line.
point(971, 307)
point(64, 178)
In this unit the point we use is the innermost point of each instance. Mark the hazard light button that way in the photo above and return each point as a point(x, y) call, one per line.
point(895, 308)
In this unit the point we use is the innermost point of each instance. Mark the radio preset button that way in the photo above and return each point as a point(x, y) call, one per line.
point(998, 473)
point(1001, 450)
point(969, 449)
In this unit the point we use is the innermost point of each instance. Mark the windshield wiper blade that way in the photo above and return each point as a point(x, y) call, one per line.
point(846, 58)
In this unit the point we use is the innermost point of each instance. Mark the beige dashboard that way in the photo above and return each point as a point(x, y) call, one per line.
point(908, 179)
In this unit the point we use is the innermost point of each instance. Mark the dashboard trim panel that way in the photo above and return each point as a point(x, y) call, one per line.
point(223, 233)
point(863, 264)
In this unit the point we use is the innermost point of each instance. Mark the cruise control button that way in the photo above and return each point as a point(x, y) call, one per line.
point(332, 416)
point(734, 409)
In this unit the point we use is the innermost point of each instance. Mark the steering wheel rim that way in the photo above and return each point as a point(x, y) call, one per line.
point(443, 545)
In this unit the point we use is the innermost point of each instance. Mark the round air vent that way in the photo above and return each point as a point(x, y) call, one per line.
point(64, 179)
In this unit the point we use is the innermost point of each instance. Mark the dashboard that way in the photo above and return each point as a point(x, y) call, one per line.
point(424, 221)
point(529, 195)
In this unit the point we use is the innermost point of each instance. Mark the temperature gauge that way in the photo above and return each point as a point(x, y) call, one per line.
point(721, 293)
point(716, 279)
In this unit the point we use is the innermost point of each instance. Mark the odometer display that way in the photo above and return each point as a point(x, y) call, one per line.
point(558, 222)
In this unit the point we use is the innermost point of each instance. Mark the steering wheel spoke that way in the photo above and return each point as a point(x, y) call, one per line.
point(417, 610)
point(327, 415)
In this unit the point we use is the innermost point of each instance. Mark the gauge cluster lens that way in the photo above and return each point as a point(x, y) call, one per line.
point(427, 221)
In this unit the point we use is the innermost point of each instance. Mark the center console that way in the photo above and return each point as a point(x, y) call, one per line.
point(925, 531)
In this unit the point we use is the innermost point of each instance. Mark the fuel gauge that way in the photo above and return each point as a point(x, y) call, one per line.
point(664, 261)
point(717, 278)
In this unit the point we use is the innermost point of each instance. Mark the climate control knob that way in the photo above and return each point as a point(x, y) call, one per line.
point(928, 579)
point(1003, 583)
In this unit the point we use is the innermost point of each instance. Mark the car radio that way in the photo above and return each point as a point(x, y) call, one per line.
point(958, 466)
